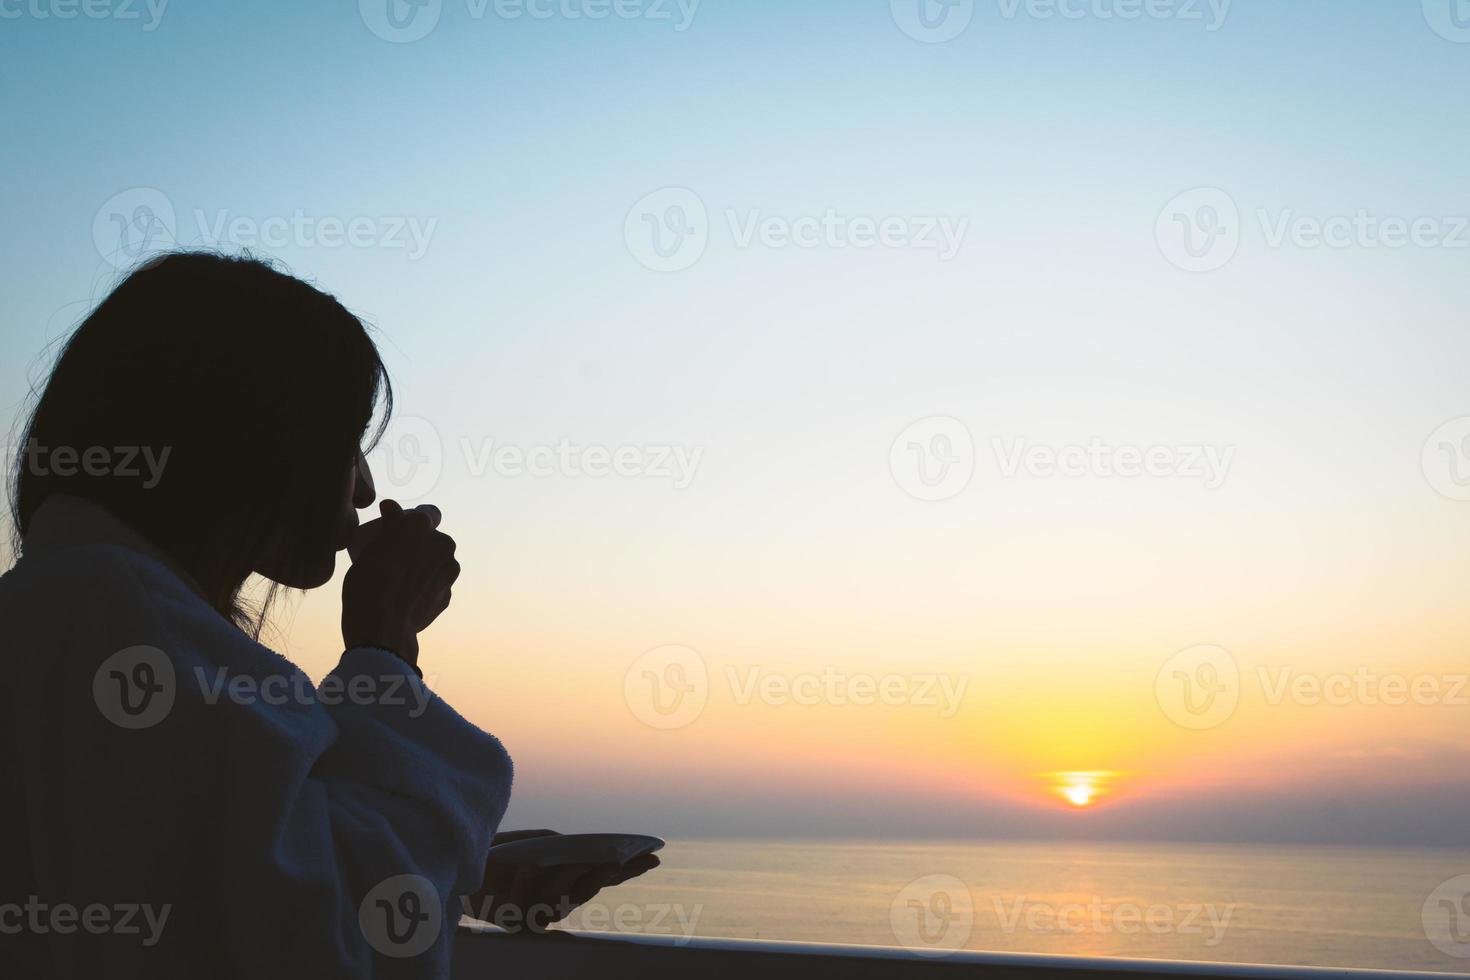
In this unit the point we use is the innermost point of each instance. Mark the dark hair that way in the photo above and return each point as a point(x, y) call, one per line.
point(259, 387)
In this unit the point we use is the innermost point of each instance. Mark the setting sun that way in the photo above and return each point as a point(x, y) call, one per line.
point(1080, 794)
point(1080, 789)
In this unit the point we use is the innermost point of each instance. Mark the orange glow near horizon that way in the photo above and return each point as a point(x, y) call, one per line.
point(1071, 731)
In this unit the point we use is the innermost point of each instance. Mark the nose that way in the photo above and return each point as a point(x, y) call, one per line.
point(363, 490)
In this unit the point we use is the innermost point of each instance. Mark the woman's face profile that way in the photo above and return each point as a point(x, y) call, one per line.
point(284, 562)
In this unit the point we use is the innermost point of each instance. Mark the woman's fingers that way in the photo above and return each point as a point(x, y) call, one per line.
point(634, 868)
point(522, 888)
point(543, 896)
point(410, 547)
point(551, 899)
point(593, 881)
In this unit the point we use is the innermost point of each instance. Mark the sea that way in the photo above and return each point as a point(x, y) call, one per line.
point(1372, 908)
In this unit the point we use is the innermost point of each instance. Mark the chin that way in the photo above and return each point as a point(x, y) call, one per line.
point(313, 576)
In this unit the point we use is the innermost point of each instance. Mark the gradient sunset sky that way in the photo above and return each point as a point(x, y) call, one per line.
point(522, 148)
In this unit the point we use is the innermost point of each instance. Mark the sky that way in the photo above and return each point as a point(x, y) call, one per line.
point(980, 419)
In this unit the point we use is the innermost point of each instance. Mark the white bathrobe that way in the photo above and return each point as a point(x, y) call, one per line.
point(177, 800)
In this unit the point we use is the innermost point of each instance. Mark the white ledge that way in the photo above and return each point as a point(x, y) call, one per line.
point(482, 951)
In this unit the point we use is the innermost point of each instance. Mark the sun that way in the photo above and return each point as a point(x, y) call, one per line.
point(1081, 789)
point(1078, 794)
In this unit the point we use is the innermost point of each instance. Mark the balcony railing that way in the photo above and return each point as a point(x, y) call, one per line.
point(486, 952)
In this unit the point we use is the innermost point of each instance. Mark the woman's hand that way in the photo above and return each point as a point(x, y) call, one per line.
point(518, 897)
point(399, 582)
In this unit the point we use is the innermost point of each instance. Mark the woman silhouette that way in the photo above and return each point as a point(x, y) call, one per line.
point(185, 802)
